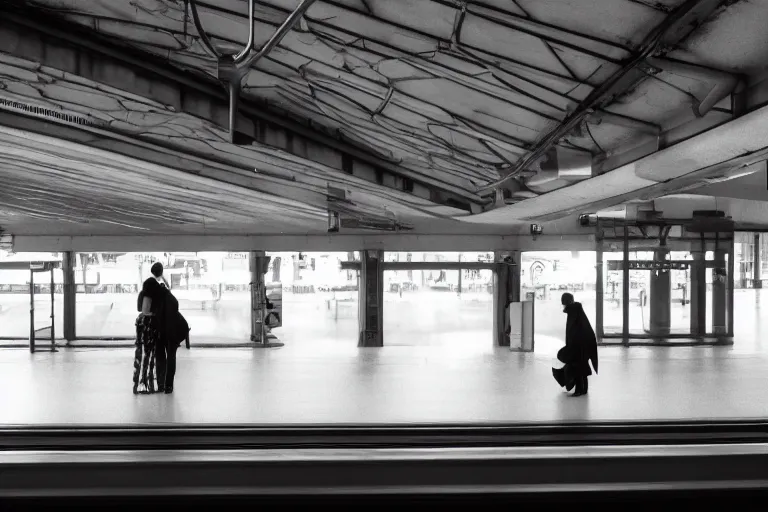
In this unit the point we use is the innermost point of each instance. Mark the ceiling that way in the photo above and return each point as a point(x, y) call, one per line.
point(465, 93)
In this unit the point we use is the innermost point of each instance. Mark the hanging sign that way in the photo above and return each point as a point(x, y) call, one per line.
point(614, 265)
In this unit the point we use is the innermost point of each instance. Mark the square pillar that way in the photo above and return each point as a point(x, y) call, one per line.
point(69, 291)
point(371, 313)
point(661, 297)
point(757, 281)
point(258, 263)
point(506, 290)
point(599, 291)
point(720, 294)
point(698, 294)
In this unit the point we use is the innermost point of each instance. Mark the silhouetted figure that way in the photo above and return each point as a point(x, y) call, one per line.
point(580, 348)
point(160, 329)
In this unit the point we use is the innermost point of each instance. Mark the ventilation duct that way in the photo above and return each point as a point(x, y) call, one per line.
point(48, 113)
point(562, 164)
point(374, 224)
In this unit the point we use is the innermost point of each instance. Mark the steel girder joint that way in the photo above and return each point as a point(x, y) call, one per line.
point(233, 67)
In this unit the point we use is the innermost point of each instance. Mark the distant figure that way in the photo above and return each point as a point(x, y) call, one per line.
point(580, 348)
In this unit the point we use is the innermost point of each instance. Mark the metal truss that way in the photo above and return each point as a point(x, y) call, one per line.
point(233, 67)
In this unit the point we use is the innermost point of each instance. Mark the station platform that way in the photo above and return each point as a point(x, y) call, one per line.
point(329, 384)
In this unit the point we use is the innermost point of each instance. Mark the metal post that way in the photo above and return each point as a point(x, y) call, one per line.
point(625, 289)
point(729, 291)
point(661, 303)
point(599, 290)
point(506, 289)
point(371, 299)
point(720, 293)
point(255, 295)
point(460, 276)
point(258, 263)
point(515, 286)
point(756, 268)
point(698, 294)
point(53, 314)
point(31, 310)
point(70, 295)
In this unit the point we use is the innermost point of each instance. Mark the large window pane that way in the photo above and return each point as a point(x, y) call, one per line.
point(15, 300)
point(319, 299)
point(432, 257)
point(613, 296)
point(545, 276)
point(438, 307)
point(212, 289)
point(642, 298)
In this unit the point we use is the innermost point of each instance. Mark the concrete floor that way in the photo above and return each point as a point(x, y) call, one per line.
point(405, 385)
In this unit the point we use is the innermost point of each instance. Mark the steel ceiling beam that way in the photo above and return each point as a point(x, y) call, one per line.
point(675, 27)
point(233, 68)
point(19, 14)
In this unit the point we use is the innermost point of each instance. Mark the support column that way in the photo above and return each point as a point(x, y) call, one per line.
point(506, 289)
point(661, 296)
point(258, 263)
point(599, 292)
point(729, 289)
point(625, 289)
point(256, 284)
point(698, 294)
point(719, 294)
point(69, 290)
point(371, 301)
point(757, 281)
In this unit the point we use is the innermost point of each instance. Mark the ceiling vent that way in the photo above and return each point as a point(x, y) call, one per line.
point(47, 113)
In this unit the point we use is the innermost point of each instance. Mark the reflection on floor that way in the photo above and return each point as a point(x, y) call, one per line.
point(332, 384)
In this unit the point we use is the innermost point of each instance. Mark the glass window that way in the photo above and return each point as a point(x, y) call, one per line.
point(546, 276)
point(319, 299)
point(212, 290)
point(15, 300)
point(438, 307)
point(432, 257)
point(613, 293)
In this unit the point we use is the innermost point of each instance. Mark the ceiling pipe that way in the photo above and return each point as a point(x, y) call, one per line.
point(675, 27)
point(232, 68)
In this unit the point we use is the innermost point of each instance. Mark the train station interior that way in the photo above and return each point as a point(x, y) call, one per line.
point(369, 210)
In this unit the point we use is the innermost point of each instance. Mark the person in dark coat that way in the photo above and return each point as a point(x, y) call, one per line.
point(160, 330)
point(580, 349)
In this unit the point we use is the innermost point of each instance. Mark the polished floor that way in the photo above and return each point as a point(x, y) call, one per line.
point(404, 385)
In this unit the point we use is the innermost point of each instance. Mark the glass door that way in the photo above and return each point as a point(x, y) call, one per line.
point(613, 293)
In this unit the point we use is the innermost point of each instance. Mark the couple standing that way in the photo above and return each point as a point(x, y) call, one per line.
point(160, 329)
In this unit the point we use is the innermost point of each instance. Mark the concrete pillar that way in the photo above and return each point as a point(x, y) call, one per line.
point(506, 289)
point(719, 293)
point(256, 284)
point(371, 301)
point(661, 296)
point(69, 290)
point(757, 281)
point(599, 292)
point(698, 294)
point(258, 263)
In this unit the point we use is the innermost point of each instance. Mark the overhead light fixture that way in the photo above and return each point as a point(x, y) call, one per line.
point(334, 222)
